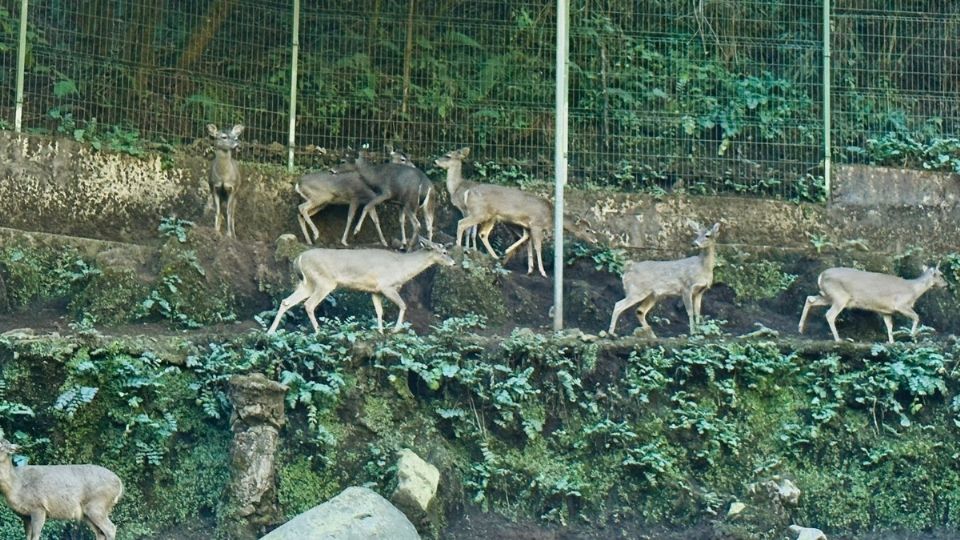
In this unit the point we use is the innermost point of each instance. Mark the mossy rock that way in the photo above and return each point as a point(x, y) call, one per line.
point(474, 286)
point(112, 297)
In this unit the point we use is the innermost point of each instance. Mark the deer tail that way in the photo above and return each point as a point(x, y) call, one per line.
point(426, 199)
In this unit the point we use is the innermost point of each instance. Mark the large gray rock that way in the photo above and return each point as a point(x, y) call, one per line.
point(355, 514)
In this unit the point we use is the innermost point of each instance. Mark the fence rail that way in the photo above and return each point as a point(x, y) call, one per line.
point(707, 97)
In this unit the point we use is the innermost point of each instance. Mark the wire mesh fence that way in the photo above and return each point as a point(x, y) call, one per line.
point(704, 97)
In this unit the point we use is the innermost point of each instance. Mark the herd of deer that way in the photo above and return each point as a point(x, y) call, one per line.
point(89, 492)
point(382, 272)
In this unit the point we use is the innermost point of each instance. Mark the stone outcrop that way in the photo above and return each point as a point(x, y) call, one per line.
point(355, 514)
point(417, 485)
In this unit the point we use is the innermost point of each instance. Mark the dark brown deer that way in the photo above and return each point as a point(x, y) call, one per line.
point(339, 187)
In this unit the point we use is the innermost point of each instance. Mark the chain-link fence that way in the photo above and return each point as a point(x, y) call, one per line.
point(702, 96)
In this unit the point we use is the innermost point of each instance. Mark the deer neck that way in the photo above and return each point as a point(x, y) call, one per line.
point(222, 156)
point(8, 478)
point(708, 258)
point(412, 264)
point(921, 284)
point(454, 177)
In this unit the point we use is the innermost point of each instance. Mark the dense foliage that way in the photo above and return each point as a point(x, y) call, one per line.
point(672, 95)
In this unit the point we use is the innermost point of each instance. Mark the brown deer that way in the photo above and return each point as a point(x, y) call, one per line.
point(402, 183)
point(842, 288)
point(336, 187)
point(452, 162)
point(645, 282)
point(225, 175)
point(74, 492)
point(379, 272)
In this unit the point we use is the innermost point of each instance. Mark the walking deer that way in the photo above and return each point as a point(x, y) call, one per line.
point(842, 288)
point(457, 186)
point(402, 183)
point(377, 271)
point(335, 187)
point(485, 205)
point(73, 492)
point(645, 282)
point(225, 175)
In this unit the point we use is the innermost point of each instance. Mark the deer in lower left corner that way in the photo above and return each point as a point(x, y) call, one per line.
point(225, 175)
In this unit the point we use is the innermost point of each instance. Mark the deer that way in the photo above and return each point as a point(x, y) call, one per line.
point(337, 186)
point(886, 294)
point(225, 175)
point(456, 185)
point(646, 282)
point(404, 184)
point(485, 205)
point(378, 271)
point(72, 492)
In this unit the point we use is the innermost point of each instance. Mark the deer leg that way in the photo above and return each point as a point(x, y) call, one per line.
point(403, 226)
point(645, 306)
point(412, 216)
point(394, 296)
point(483, 231)
point(320, 292)
point(688, 304)
point(909, 312)
point(466, 223)
point(517, 245)
point(378, 307)
point(888, 322)
point(376, 223)
point(37, 518)
point(811, 302)
point(831, 316)
point(351, 212)
point(368, 207)
point(216, 210)
point(619, 308)
point(537, 237)
point(697, 299)
point(305, 212)
point(231, 206)
point(99, 521)
point(301, 293)
point(429, 208)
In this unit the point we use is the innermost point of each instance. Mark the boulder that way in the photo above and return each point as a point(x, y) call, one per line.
point(416, 486)
point(807, 533)
point(357, 513)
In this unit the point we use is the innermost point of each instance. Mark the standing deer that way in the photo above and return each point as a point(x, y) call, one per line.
point(404, 184)
point(74, 492)
point(452, 162)
point(645, 282)
point(335, 187)
point(842, 288)
point(225, 174)
point(377, 271)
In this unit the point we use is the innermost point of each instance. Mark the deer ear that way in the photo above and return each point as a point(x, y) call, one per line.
point(212, 129)
point(237, 130)
point(716, 228)
point(464, 152)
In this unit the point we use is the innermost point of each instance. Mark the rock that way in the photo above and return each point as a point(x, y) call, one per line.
point(736, 508)
point(417, 484)
point(357, 513)
point(788, 492)
point(807, 533)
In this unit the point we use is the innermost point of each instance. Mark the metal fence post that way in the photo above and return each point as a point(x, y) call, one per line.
point(560, 157)
point(295, 53)
point(826, 99)
point(21, 63)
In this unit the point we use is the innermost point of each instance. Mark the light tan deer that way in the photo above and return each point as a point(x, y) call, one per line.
point(645, 282)
point(225, 175)
point(377, 271)
point(485, 205)
point(336, 187)
point(73, 492)
point(842, 288)
point(452, 162)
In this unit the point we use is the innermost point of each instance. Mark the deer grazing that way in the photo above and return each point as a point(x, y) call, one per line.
point(225, 175)
point(378, 271)
point(73, 492)
point(402, 183)
point(335, 187)
point(645, 282)
point(842, 288)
